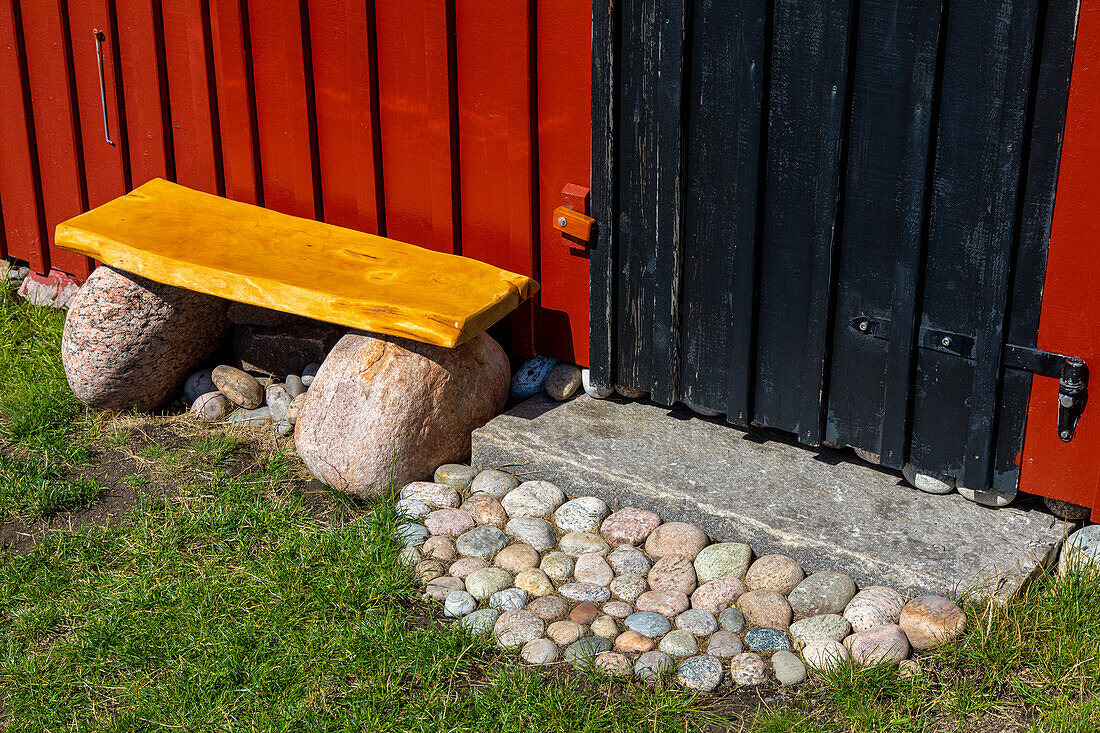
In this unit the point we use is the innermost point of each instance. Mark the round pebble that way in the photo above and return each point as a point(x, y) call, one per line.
point(702, 673)
point(585, 592)
point(485, 582)
point(667, 603)
point(765, 608)
point(449, 522)
point(1081, 550)
point(459, 603)
point(618, 609)
point(821, 593)
point(929, 621)
point(509, 599)
point(562, 381)
point(533, 499)
point(436, 496)
point(582, 652)
point(584, 613)
point(874, 606)
point(829, 626)
point(676, 538)
point(411, 534)
point(483, 542)
point(439, 588)
point(605, 626)
point(697, 621)
point(576, 544)
point(558, 566)
point(581, 515)
point(629, 526)
point(517, 557)
point(539, 651)
point(717, 595)
point(628, 587)
point(199, 384)
point(529, 378)
point(240, 387)
point(481, 621)
point(724, 645)
point(410, 555)
point(747, 669)
point(651, 666)
point(485, 509)
point(673, 573)
point(777, 573)
point(631, 393)
point(648, 623)
point(679, 643)
point(824, 655)
point(515, 628)
point(494, 483)
point(428, 570)
point(613, 664)
point(537, 533)
point(464, 566)
point(732, 620)
point(592, 568)
point(878, 644)
point(629, 560)
point(565, 633)
point(763, 639)
point(535, 582)
point(211, 407)
point(439, 547)
point(413, 508)
point(789, 669)
point(455, 475)
point(927, 482)
point(549, 607)
point(631, 642)
point(722, 560)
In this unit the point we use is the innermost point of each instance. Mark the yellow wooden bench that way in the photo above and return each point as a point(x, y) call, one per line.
point(175, 235)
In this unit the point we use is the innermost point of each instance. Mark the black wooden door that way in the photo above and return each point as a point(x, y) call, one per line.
point(830, 218)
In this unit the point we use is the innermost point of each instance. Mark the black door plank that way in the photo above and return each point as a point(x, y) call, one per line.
point(653, 40)
point(987, 61)
point(722, 172)
point(808, 90)
point(603, 260)
point(882, 237)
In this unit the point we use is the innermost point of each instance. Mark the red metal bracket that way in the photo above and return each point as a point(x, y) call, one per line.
point(571, 218)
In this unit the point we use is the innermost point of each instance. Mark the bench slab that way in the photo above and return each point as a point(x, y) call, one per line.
point(174, 235)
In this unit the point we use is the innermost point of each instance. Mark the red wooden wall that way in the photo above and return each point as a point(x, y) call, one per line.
point(451, 125)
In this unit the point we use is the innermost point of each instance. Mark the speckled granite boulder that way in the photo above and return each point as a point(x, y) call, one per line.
point(129, 343)
point(382, 404)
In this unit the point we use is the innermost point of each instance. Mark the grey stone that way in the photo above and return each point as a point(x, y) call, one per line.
point(509, 599)
point(732, 620)
point(821, 593)
point(439, 588)
point(581, 653)
point(576, 544)
point(722, 560)
point(537, 533)
point(411, 534)
point(702, 673)
point(582, 514)
point(456, 475)
point(724, 644)
point(592, 568)
point(530, 377)
point(774, 496)
point(211, 407)
point(533, 499)
point(284, 427)
point(697, 621)
point(540, 651)
point(764, 639)
point(494, 483)
point(562, 381)
point(436, 496)
point(516, 628)
point(557, 565)
point(747, 669)
point(585, 592)
point(679, 643)
point(259, 416)
point(482, 584)
point(1082, 549)
point(483, 542)
point(789, 669)
point(830, 626)
point(629, 560)
point(294, 386)
point(198, 384)
point(412, 508)
point(628, 587)
point(653, 665)
point(278, 401)
point(874, 606)
point(648, 624)
point(459, 603)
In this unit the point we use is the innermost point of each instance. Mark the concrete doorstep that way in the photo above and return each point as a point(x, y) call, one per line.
point(825, 508)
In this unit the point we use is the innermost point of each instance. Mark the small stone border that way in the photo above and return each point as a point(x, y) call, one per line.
point(571, 581)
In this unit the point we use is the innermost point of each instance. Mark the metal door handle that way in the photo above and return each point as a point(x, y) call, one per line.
point(98, 34)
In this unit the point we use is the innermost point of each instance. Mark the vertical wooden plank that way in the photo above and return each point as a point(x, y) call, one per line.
point(280, 43)
point(564, 73)
point(24, 224)
point(49, 67)
point(721, 204)
point(345, 76)
point(603, 294)
point(192, 99)
point(231, 43)
point(106, 169)
point(809, 87)
point(496, 179)
point(882, 238)
point(650, 224)
point(416, 88)
point(987, 62)
point(1070, 300)
point(141, 57)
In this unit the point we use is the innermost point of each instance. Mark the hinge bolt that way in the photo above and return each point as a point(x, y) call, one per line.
point(562, 221)
point(946, 341)
point(864, 325)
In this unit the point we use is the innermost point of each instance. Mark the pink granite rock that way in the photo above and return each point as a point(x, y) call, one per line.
point(717, 595)
point(382, 404)
point(676, 538)
point(929, 621)
point(129, 343)
point(673, 572)
point(629, 526)
point(449, 522)
point(886, 643)
point(669, 604)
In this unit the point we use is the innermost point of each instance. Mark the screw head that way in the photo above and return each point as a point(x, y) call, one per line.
point(864, 325)
point(946, 341)
point(562, 221)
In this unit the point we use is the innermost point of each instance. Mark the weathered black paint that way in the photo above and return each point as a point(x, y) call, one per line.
point(767, 172)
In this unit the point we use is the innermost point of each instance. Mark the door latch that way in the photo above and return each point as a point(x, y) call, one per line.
point(1073, 393)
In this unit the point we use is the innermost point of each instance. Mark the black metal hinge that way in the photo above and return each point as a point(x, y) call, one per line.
point(1071, 372)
